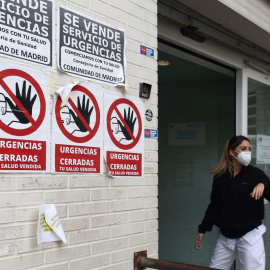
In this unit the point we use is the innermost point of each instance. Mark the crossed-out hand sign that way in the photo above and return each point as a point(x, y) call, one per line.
point(118, 126)
point(68, 116)
point(25, 98)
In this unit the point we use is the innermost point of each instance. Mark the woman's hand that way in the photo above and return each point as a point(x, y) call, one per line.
point(257, 191)
point(199, 242)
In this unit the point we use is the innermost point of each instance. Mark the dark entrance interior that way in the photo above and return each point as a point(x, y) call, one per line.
point(196, 116)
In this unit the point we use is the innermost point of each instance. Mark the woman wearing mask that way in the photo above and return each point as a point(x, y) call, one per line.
point(237, 208)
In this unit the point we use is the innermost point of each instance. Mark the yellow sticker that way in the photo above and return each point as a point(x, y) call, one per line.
point(44, 225)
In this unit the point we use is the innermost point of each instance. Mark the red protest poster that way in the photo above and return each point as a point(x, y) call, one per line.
point(124, 164)
point(123, 136)
point(77, 129)
point(79, 159)
point(24, 119)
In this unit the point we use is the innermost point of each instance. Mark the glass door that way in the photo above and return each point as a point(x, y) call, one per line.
point(256, 125)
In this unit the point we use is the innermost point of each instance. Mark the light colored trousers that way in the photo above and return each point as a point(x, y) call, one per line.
point(248, 250)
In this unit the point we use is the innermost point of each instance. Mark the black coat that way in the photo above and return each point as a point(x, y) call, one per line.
point(232, 208)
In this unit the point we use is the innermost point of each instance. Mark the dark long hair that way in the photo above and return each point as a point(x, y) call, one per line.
point(225, 163)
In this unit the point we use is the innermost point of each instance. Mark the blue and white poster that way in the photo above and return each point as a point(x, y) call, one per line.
point(186, 134)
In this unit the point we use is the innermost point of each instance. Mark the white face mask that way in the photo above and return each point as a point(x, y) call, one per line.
point(243, 158)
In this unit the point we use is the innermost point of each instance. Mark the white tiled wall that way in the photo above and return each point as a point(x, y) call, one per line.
point(106, 220)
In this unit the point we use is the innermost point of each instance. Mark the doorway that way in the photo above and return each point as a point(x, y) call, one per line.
point(196, 116)
point(256, 99)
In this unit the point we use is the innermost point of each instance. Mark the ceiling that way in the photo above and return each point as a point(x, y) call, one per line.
point(231, 20)
point(188, 68)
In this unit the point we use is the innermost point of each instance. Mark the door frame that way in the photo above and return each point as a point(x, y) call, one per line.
point(247, 72)
point(257, 73)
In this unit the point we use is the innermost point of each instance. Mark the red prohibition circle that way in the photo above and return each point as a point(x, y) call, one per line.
point(110, 111)
point(71, 137)
point(35, 123)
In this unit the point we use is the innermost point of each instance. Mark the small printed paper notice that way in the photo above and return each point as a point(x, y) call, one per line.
point(263, 149)
point(49, 227)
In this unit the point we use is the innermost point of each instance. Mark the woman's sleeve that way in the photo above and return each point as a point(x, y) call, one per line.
point(263, 178)
point(211, 212)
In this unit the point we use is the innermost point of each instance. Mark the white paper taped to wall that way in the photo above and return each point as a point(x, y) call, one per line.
point(49, 228)
point(64, 92)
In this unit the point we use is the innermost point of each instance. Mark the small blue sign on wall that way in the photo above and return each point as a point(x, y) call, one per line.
point(147, 51)
point(151, 133)
point(186, 133)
